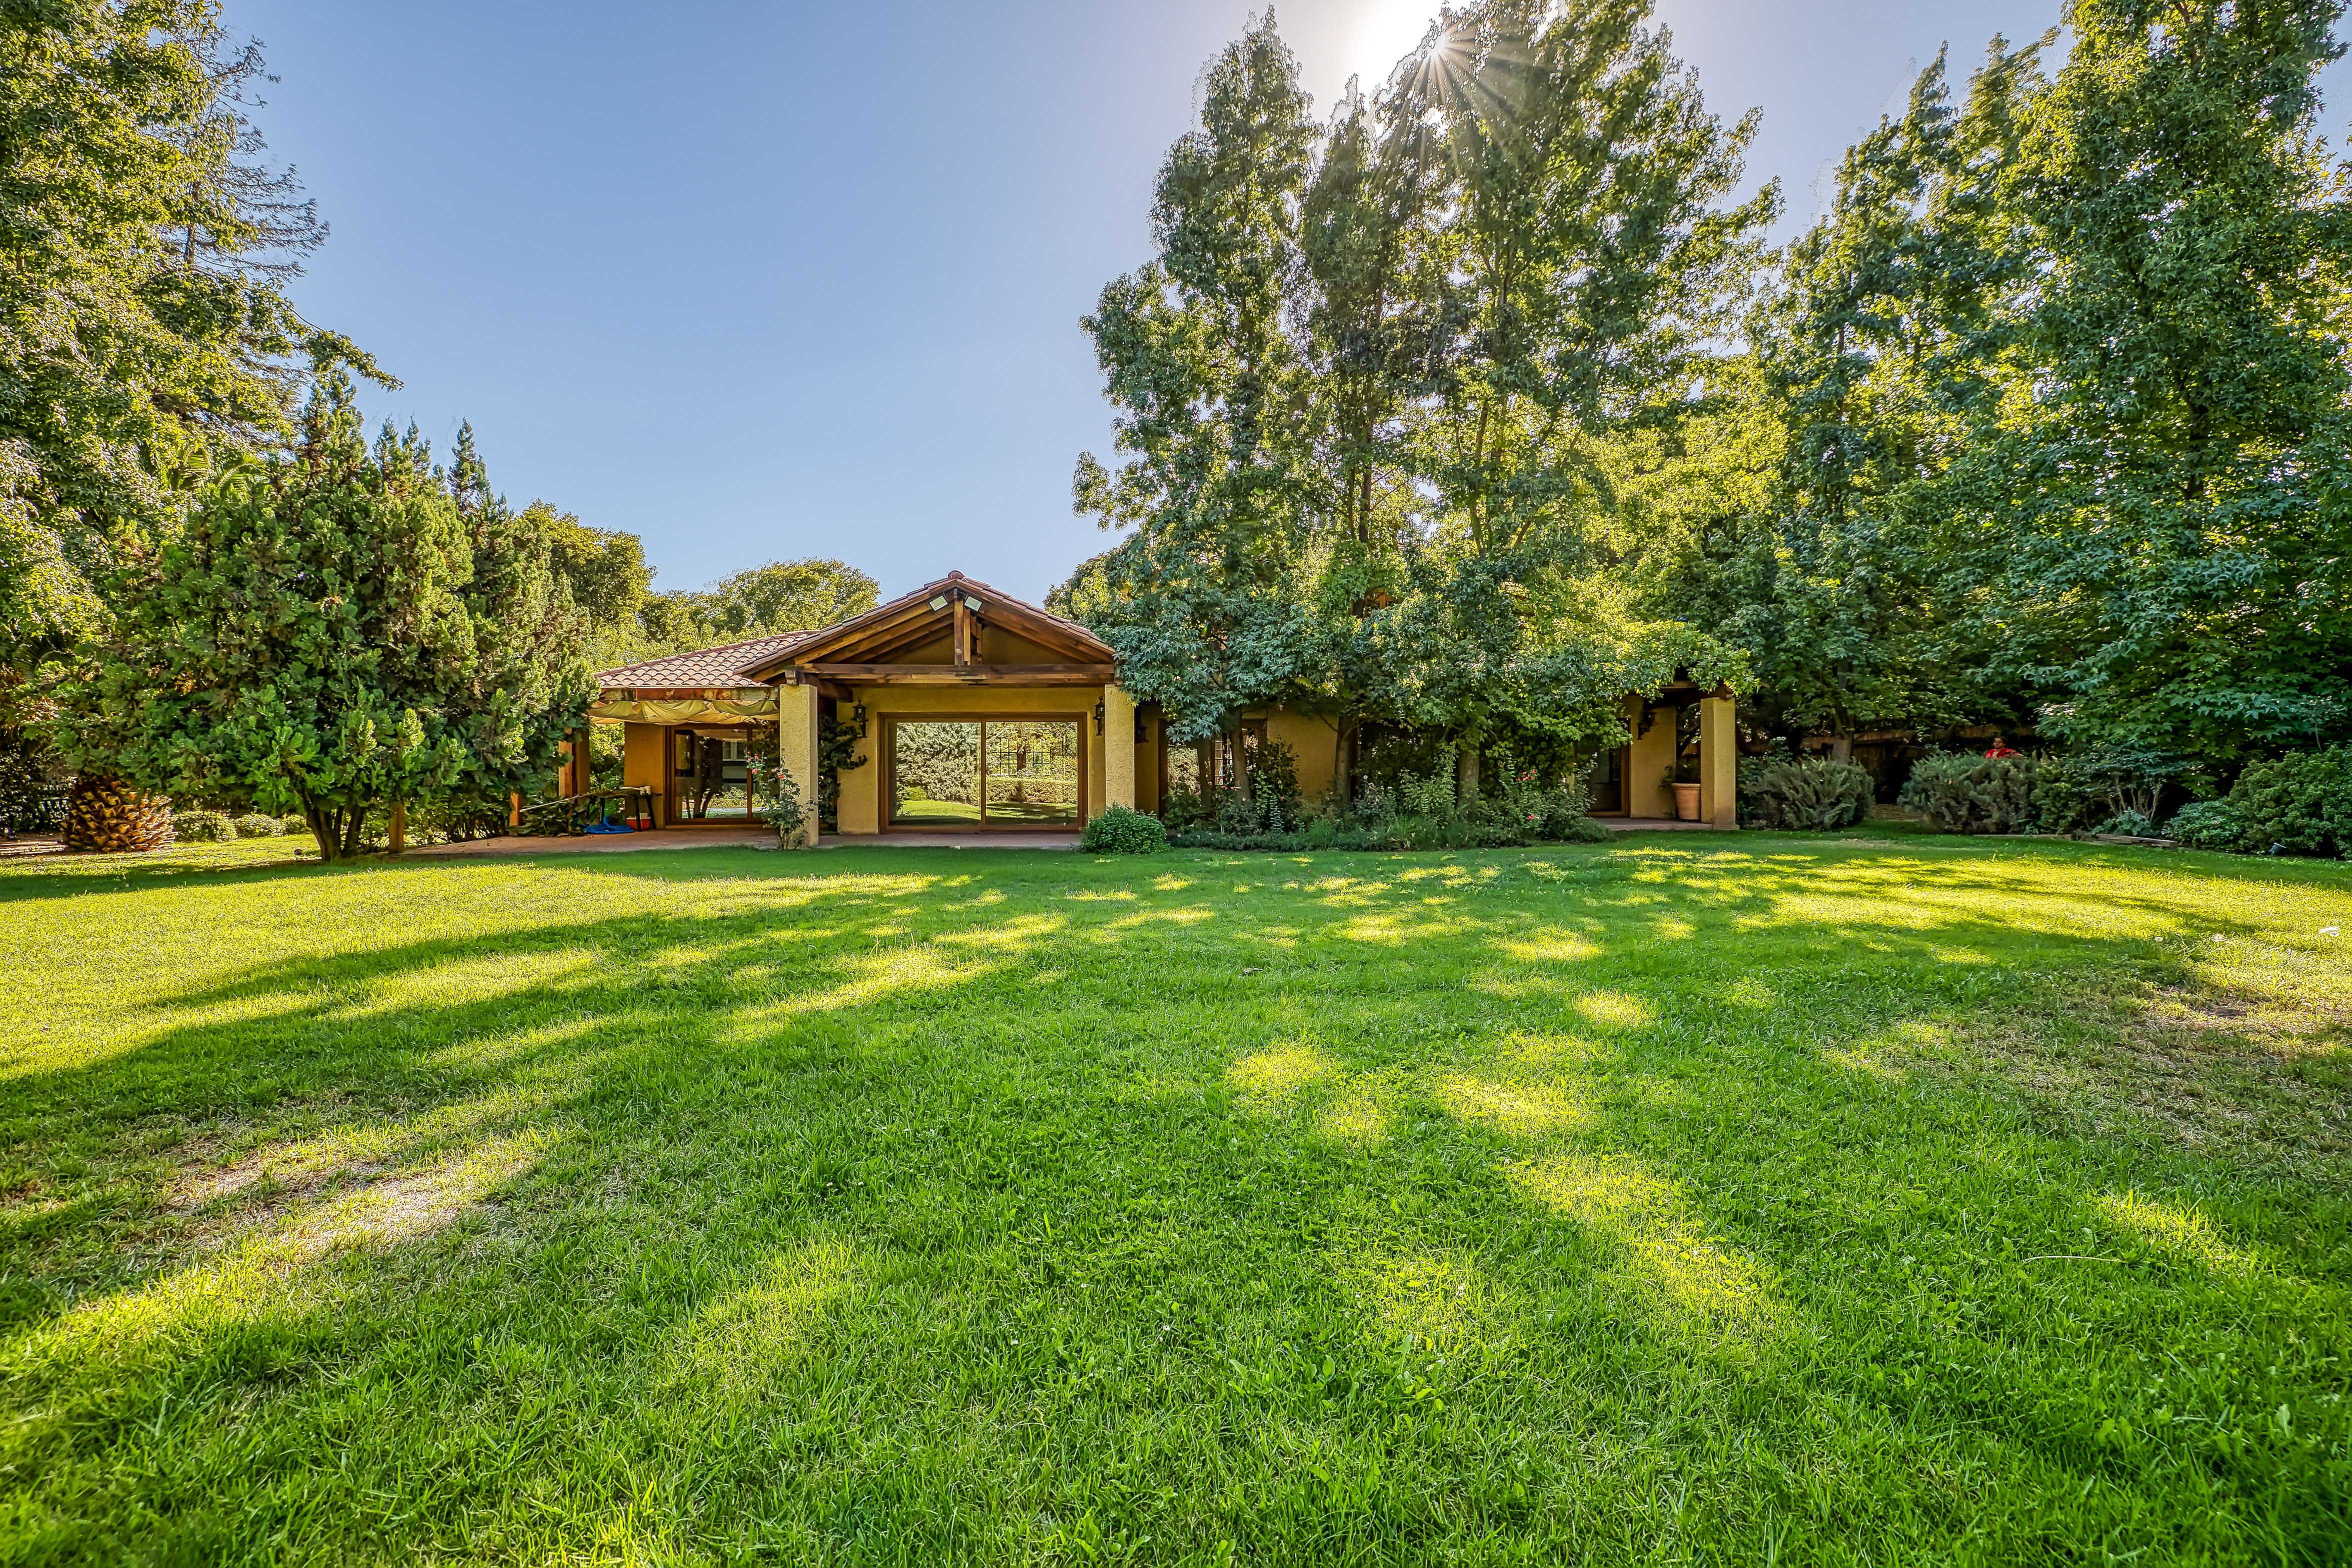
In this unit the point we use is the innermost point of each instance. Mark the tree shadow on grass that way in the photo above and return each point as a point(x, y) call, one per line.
point(921, 1215)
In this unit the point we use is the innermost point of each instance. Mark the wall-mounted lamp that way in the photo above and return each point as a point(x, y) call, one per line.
point(858, 716)
point(938, 601)
point(1098, 718)
point(972, 604)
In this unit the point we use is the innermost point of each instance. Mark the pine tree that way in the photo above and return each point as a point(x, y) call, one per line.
point(336, 631)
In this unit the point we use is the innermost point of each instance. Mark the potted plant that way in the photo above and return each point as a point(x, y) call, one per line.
point(1685, 791)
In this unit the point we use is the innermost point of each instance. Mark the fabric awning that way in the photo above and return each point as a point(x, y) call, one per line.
point(684, 711)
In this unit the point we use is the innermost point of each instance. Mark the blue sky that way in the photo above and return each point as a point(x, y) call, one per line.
point(763, 280)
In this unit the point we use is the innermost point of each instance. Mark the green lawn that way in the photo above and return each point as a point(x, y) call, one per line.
point(1880, 1199)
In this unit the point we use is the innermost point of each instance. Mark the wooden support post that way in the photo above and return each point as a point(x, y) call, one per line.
point(963, 631)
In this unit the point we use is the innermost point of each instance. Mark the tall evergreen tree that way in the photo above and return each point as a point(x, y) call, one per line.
point(1870, 357)
point(145, 338)
point(336, 631)
point(1201, 599)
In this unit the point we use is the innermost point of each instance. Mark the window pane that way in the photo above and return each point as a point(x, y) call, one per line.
point(1033, 772)
point(935, 773)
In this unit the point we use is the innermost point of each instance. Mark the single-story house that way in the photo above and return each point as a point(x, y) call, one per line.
point(976, 712)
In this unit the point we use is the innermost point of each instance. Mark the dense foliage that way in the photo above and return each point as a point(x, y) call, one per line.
point(782, 597)
point(1366, 386)
point(336, 630)
point(1957, 792)
point(2046, 418)
point(2300, 803)
point(145, 335)
point(1784, 792)
point(1478, 404)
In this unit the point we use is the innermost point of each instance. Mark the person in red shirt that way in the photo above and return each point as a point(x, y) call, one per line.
point(2002, 748)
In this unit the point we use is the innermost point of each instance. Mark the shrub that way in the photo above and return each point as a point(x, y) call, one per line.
point(1213, 840)
point(2102, 785)
point(1116, 830)
point(1376, 805)
point(1181, 808)
point(255, 824)
point(2300, 803)
point(2206, 824)
point(2129, 824)
point(1237, 813)
point(1803, 792)
point(197, 826)
point(2065, 794)
point(1584, 830)
point(294, 824)
point(1540, 811)
point(30, 800)
point(1958, 793)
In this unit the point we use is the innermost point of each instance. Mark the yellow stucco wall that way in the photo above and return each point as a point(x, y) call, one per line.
point(1147, 766)
point(797, 748)
point(1719, 756)
point(645, 763)
point(1646, 791)
point(1312, 742)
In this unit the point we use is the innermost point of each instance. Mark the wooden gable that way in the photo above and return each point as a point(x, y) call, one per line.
point(956, 631)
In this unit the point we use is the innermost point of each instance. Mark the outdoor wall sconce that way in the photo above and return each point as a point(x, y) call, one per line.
point(858, 717)
point(1098, 718)
point(1142, 728)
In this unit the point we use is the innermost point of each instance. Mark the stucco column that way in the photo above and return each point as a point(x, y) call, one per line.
point(796, 748)
point(1119, 748)
point(1718, 762)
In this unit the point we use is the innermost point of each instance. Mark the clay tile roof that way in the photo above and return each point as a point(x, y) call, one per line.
point(706, 666)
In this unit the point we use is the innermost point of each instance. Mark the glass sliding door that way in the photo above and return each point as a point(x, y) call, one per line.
point(985, 772)
point(935, 773)
point(1032, 772)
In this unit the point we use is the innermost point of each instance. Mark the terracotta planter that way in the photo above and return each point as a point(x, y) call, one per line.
point(1687, 803)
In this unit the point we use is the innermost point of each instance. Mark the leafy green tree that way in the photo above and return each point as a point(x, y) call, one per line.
point(604, 570)
point(763, 601)
point(1868, 373)
point(1199, 600)
point(337, 630)
point(2156, 517)
point(1366, 384)
point(137, 344)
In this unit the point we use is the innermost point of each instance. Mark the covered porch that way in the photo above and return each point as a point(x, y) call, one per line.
point(959, 710)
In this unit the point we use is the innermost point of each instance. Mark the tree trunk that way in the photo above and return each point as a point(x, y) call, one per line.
point(1343, 766)
point(104, 813)
point(1465, 781)
point(1842, 747)
point(397, 829)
